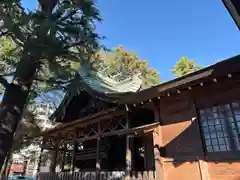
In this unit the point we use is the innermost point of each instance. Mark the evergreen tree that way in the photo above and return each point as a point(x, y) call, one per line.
point(184, 66)
point(121, 60)
point(46, 42)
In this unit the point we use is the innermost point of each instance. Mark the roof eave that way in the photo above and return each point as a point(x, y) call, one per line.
point(233, 11)
point(222, 68)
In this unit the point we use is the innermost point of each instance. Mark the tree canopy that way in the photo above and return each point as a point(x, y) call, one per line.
point(46, 41)
point(121, 60)
point(72, 39)
point(184, 66)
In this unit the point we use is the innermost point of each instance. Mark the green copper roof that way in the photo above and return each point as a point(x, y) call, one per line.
point(103, 83)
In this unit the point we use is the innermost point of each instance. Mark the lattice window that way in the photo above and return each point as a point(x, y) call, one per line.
point(220, 127)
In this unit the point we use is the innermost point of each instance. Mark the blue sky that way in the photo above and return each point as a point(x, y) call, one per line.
point(162, 31)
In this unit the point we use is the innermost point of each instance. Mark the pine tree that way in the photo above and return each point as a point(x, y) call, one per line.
point(46, 42)
point(184, 66)
point(121, 60)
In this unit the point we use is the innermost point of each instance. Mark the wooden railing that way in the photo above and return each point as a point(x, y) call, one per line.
point(103, 175)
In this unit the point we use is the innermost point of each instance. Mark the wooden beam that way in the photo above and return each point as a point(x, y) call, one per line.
point(98, 163)
point(157, 144)
point(56, 149)
point(63, 159)
point(54, 162)
point(144, 128)
point(123, 132)
point(128, 150)
point(74, 155)
point(105, 115)
point(203, 169)
point(55, 156)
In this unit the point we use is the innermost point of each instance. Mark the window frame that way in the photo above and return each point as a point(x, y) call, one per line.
point(233, 154)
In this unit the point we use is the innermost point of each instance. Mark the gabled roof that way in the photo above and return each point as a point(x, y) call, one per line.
point(99, 86)
point(218, 70)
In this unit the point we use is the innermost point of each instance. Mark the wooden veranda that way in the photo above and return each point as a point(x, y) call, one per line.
point(103, 175)
point(88, 146)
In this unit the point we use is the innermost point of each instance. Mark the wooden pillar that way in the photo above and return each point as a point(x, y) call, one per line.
point(132, 142)
point(128, 150)
point(157, 143)
point(98, 162)
point(202, 165)
point(54, 162)
point(128, 157)
point(64, 156)
point(74, 155)
point(148, 152)
point(54, 156)
point(145, 151)
point(63, 161)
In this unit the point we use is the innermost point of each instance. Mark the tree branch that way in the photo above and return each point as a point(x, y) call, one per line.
point(3, 33)
point(75, 44)
point(68, 15)
point(8, 74)
point(54, 81)
point(3, 81)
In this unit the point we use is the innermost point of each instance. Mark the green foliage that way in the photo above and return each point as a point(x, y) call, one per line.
point(121, 60)
point(27, 129)
point(56, 37)
point(9, 53)
point(60, 39)
point(184, 66)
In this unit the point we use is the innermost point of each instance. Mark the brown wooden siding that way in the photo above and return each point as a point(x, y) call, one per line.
point(181, 138)
point(224, 170)
point(186, 171)
point(220, 93)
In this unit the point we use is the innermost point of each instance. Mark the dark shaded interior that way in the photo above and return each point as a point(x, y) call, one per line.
point(116, 154)
point(141, 116)
point(86, 157)
point(83, 105)
point(76, 104)
point(113, 154)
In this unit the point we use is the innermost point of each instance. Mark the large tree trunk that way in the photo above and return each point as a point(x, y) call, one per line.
point(4, 168)
point(16, 93)
point(14, 101)
point(9, 165)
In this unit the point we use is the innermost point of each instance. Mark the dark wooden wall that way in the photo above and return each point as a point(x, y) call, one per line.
point(181, 146)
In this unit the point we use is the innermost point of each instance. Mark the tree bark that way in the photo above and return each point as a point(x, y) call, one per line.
point(16, 93)
point(9, 165)
point(4, 169)
point(14, 100)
